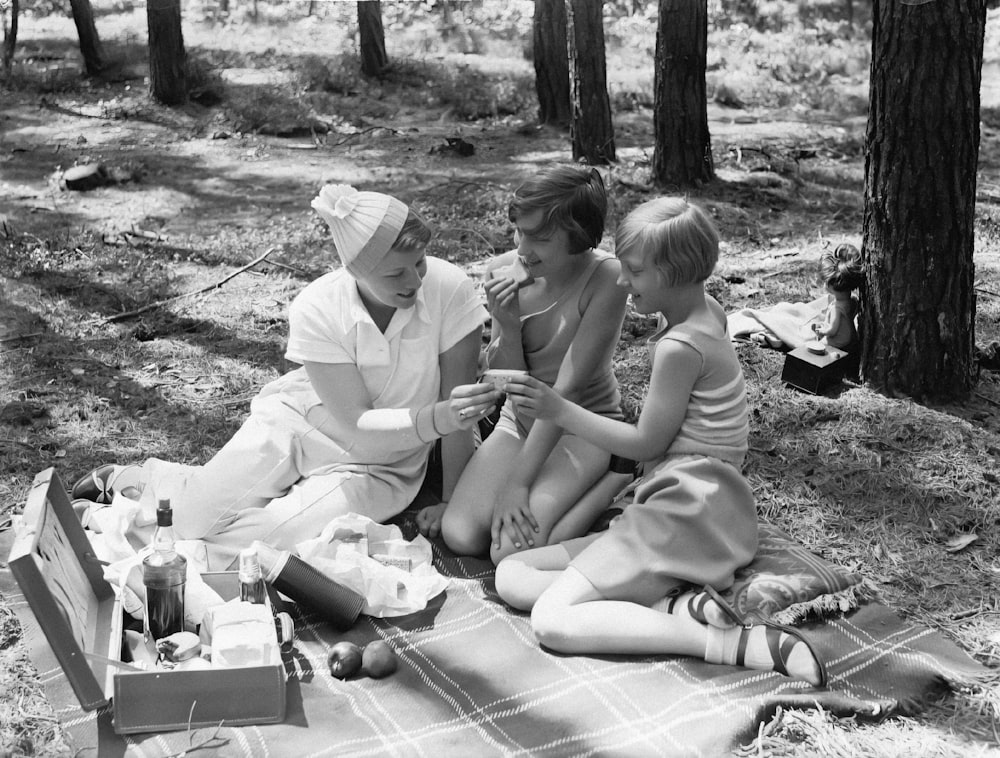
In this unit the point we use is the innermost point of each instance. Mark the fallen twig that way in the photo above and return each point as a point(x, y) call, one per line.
point(351, 136)
point(216, 285)
point(989, 400)
point(17, 337)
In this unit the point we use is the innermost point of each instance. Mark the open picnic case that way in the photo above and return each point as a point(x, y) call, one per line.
point(82, 619)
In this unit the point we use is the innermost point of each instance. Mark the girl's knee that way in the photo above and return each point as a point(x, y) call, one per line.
point(461, 535)
point(511, 578)
point(548, 621)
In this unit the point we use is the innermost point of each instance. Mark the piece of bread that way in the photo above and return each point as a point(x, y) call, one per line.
point(516, 271)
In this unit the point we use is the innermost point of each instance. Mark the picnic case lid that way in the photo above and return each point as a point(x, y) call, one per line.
point(62, 579)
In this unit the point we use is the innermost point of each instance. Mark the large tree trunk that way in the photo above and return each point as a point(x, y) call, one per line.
point(551, 62)
point(167, 79)
point(920, 190)
point(373, 56)
point(682, 154)
point(592, 131)
point(10, 34)
point(86, 30)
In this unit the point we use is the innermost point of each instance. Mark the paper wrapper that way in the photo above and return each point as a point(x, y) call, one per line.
point(393, 575)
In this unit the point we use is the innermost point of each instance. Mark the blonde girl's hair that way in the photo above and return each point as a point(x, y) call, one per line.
point(415, 234)
point(677, 236)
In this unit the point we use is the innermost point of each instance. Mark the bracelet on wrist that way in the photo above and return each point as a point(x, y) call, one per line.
point(434, 420)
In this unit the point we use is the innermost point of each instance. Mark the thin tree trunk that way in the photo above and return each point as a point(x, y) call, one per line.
point(917, 312)
point(374, 59)
point(682, 153)
point(167, 79)
point(551, 60)
point(90, 42)
point(592, 131)
point(10, 35)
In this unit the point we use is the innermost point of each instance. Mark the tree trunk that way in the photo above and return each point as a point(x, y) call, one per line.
point(373, 56)
point(551, 62)
point(592, 132)
point(682, 152)
point(922, 148)
point(10, 34)
point(167, 80)
point(86, 30)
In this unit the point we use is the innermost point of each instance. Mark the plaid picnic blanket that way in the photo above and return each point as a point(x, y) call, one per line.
point(473, 681)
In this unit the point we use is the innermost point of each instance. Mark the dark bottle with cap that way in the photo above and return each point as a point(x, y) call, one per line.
point(164, 574)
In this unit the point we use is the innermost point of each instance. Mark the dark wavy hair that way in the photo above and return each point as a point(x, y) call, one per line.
point(571, 198)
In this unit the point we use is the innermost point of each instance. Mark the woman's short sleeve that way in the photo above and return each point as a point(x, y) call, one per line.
point(316, 329)
point(463, 309)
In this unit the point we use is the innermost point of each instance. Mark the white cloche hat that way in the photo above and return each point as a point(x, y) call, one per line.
point(364, 225)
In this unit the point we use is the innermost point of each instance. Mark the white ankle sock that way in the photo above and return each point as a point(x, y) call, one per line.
point(722, 646)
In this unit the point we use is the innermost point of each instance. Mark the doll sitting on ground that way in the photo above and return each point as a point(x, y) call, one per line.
point(841, 272)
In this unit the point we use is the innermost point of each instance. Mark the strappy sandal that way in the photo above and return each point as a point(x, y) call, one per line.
point(695, 604)
point(772, 634)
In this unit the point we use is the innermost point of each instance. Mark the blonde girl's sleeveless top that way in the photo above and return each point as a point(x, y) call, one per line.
point(716, 423)
point(546, 336)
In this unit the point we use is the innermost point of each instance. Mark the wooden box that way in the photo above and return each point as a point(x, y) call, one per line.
point(814, 373)
point(63, 582)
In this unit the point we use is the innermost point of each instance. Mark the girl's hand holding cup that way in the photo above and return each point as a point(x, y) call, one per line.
point(535, 398)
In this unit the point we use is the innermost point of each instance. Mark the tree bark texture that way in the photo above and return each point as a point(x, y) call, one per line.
point(922, 149)
point(372, 35)
point(551, 59)
point(90, 42)
point(10, 34)
point(682, 152)
point(167, 78)
point(592, 132)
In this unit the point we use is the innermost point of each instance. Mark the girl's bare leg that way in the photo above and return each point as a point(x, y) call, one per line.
point(522, 577)
point(466, 520)
point(569, 472)
point(571, 616)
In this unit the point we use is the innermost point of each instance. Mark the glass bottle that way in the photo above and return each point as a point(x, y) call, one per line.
point(252, 589)
point(164, 574)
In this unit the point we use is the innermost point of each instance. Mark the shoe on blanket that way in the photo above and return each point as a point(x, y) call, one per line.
point(95, 486)
point(767, 646)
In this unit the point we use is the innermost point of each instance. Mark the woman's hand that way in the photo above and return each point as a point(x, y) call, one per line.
point(503, 304)
point(513, 517)
point(535, 398)
point(465, 406)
